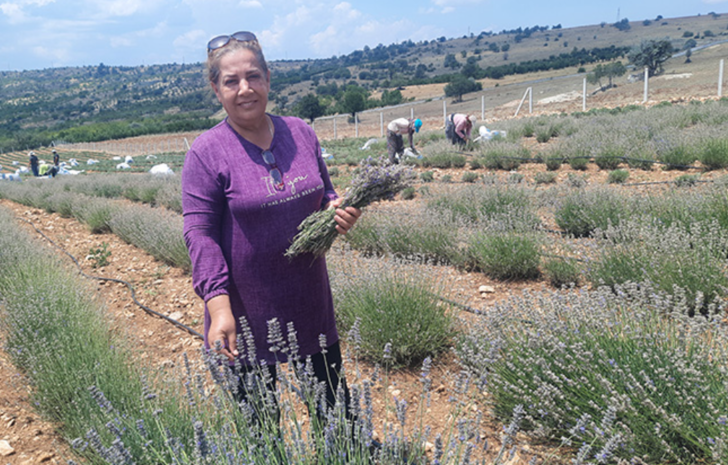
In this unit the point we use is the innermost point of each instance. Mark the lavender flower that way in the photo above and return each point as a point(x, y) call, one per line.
point(374, 180)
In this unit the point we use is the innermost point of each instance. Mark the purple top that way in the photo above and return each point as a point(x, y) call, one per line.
point(237, 227)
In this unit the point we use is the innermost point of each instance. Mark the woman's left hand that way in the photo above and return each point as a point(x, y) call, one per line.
point(345, 217)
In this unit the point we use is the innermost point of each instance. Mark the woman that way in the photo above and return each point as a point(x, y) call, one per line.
point(458, 128)
point(247, 184)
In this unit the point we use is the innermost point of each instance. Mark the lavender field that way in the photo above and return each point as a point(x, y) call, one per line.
point(616, 222)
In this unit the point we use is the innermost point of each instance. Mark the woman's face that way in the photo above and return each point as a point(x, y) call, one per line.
point(242, 88)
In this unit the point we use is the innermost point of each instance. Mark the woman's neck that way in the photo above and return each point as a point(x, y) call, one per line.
point(261, 134)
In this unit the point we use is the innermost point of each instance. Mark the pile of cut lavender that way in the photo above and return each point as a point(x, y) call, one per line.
point(373, 180)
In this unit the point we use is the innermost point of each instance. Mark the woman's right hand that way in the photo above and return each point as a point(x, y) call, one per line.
point(222, 326)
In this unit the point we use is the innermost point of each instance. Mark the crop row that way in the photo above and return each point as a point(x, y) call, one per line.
point(619, 371)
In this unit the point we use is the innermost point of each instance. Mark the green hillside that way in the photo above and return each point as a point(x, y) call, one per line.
point(94, 103)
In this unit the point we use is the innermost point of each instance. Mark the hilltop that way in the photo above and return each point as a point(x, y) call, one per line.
point(102, 102)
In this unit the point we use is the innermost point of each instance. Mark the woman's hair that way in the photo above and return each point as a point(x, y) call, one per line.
point(213, 58)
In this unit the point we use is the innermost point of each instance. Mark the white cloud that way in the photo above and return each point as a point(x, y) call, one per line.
point(449, 6)
point(190, 39)
point(344, 11)
point(16, 10)
point(282, 27)
point(13, 11)
point(54, 56)
point(250, 4)
point(121, 8)
point(121, 42)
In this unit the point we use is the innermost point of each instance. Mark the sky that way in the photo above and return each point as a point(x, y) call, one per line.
point(39, 34)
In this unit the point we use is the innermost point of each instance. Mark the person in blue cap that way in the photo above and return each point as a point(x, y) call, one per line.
point(395, 129)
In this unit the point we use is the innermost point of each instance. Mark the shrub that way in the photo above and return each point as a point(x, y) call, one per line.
point(553, 162)
point(393, 304)
point(543, 135)
point(545, 177)
point(561, 272)
point(617, 176)
point(427, 176)
point(417, 233)
point(156, 231)
point(446, 178)
point(515, 178)
point(578, 163)
point(487, 204)
point(95, 213)
point(573, 180)
point(442, 155)
point(592, 367)
point(469, 176)
point(408, 193)
point(714, 154)
point(608, 159)
point(670, 258)
point(686, 180)
point(505, 256)
point(677, 157)
point(503, 155)
point(580, 214)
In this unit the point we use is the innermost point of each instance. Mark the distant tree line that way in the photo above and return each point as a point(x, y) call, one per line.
point(100, 131)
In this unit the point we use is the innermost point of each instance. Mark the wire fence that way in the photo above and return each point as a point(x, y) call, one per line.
point(556, 94)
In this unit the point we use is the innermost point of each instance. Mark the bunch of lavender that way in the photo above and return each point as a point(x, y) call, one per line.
point(373, 180)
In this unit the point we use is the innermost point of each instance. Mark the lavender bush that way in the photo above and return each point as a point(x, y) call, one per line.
point(154, 230)
point(669, 257)
point(582, 212)
point(116, 412)
point(414, 232)
point(505, 255)
point(623, 372)
point(394, 303)
point(442, 154)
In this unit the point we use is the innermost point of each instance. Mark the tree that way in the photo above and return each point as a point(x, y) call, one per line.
point(309, 107)
point(608, 71)
point(354, 100)
point(623, 25)
point(460, 85)
point(471, 69)
point(651, 54)
point(391, 97)
point(451, 61)
point(688, 47)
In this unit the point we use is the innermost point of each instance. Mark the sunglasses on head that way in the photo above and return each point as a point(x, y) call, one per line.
point(275, 173)
point(221, 41)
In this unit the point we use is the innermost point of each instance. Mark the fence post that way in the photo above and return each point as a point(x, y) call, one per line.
point(526, 94)
point(647, 85)
point(583, 99)
point(356, 124)
point(530, 100)
point(720, 79)
point(412, 112)
point(334, 127)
